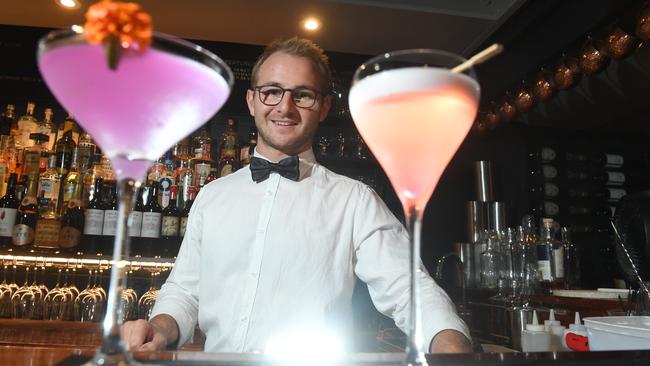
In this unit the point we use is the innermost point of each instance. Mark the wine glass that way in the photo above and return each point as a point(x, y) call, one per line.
point(88, 303)
point(135, 112)
point(5, 294)
point(148, 299)
point(55, 301)
point(413, 111)
point(24, 300)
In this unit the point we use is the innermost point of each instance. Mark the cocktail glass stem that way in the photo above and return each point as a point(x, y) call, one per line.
point(113, 351)
point(414, 351)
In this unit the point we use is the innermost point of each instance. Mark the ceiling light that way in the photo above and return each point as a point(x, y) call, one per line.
point(311, 24)
point(69, 4)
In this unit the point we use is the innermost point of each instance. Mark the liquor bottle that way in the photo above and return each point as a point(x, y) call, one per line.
point(202, 144)
point(21, 187)
point(170, 218)
point(170, 227)
point(527, 254)
point(49, 184)
point(545, 262)
point(229, 150)
point(151, 220)
point(27, 124)
point(4, 167)
point(10, 154)
point(8, 120)
point(544, 154)
point(68, 128)
point(186, 212)
point(202, 159)
point(87, 149)
point(614, 178)
point(72, 223)
point(94, 219)
point(492, 261)
point(23, 231)
point(89, 176)
point(110, 218)
point(156, 171)
point(135, 218)
point(48, 228)
point(32, 155)
point(71, 180)
point(595, 159)
point(184, 177)
point(8, 212)
point(571, 261)
point(212, 176)
point(64, 147)
point(107, 170)
point(46, 128)
point(247, 150)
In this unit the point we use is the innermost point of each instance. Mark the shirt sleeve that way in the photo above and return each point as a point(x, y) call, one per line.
point(179, 296)
point(382, 262)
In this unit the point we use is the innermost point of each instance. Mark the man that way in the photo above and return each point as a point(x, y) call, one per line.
point(268, 255)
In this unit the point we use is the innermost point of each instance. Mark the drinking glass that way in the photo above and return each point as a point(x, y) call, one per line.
point(414, 112)
point(24, 300)
point(148, 299)
point(135, 112)
point(56, 301)
point(5, 294)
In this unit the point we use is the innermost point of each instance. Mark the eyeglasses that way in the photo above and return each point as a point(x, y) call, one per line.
point(272, 95)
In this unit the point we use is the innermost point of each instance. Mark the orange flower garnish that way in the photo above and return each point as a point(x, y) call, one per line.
point(119, 26)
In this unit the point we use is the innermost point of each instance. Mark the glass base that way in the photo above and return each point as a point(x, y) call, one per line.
point(415, 358)
point(112, 353)
point(102, 359)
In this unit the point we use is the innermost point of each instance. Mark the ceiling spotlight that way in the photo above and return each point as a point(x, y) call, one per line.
point(311, 24)
point(69, 4)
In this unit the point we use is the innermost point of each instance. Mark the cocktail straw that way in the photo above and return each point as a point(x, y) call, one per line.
point(480, 57)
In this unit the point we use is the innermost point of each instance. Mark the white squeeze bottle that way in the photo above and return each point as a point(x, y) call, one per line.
point(576, 328)
point(555, 328)
point(535, 338)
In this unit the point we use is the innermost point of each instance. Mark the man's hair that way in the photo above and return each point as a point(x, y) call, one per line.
point(299, 47)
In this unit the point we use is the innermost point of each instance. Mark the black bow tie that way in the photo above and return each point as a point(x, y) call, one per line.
point(287, 167)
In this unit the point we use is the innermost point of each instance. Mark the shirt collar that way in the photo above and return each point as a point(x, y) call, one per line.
point(307, 161)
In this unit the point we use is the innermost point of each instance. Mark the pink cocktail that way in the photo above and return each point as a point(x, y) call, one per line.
point(135, 112)
point(413, 112)
point(138, 111)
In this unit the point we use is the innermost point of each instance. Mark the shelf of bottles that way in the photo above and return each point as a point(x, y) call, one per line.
point(580, 186)
point(59, 194)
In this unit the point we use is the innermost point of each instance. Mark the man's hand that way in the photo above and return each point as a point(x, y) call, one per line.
point(153, 335)
point(450, 341)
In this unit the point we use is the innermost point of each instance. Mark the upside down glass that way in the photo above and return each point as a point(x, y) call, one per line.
point(135, 113)
point(414, 112)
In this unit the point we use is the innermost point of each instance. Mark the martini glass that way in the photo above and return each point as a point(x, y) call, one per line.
point(414, 112)
point(135, 113)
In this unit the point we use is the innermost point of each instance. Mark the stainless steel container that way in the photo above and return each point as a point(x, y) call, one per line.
point(496, 216)
point(483, 170)
point(518, 317)
point(477, 212)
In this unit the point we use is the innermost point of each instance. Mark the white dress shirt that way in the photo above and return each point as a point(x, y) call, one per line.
point(261, 260)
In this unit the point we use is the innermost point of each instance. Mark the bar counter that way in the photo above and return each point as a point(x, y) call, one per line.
point(64, 356)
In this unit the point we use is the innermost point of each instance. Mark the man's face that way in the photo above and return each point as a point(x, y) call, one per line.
point(286, 129)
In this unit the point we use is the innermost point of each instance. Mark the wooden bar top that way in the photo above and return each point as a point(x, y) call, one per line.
point(36, 356)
